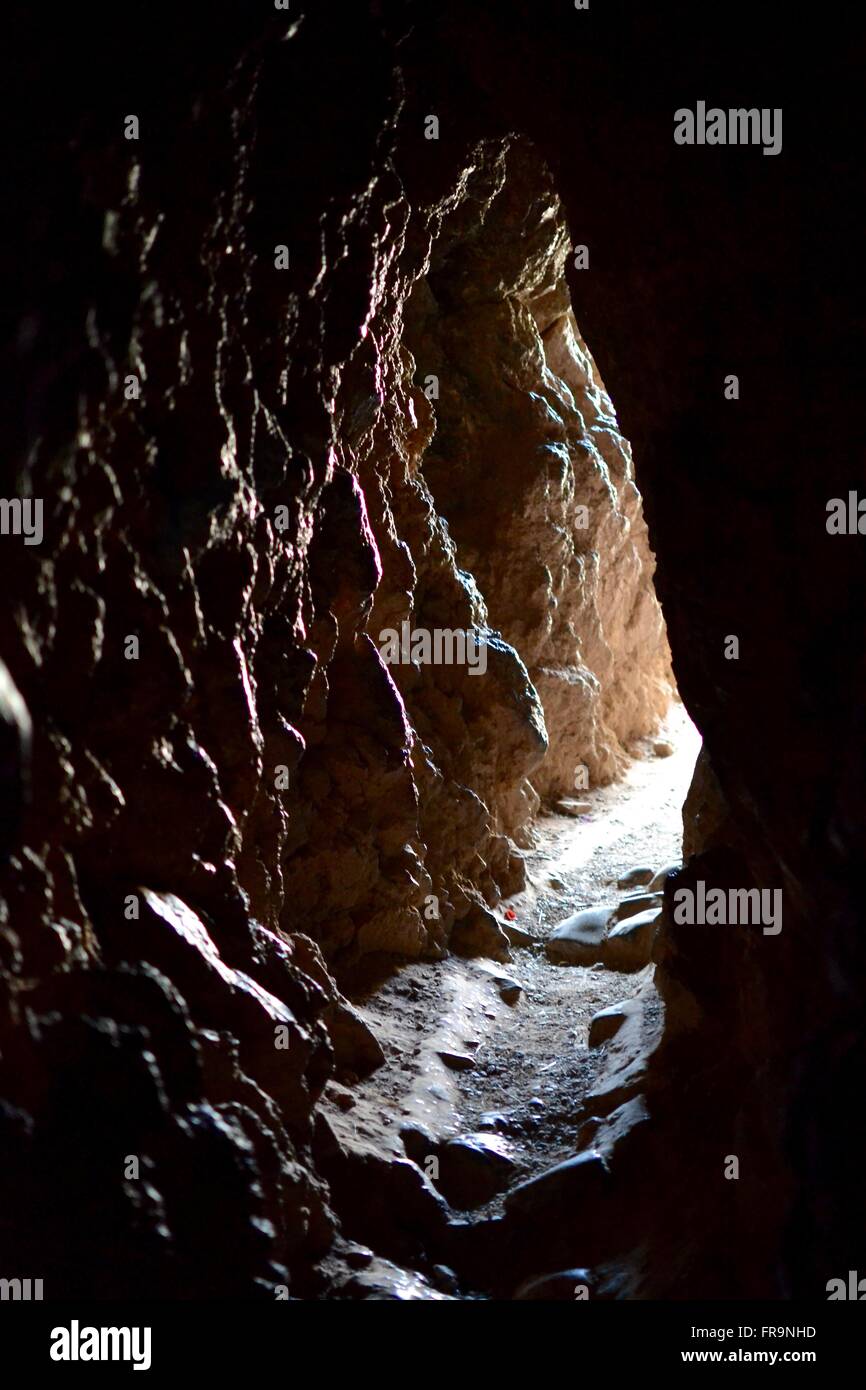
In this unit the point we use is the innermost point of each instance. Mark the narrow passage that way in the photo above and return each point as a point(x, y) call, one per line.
point(500, 1051)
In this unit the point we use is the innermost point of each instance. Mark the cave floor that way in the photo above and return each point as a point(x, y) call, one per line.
point(521, 1071)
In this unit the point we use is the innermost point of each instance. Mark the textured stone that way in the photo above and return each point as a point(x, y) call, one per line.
point(567, 807)
point(278, 495)
point(526, 412)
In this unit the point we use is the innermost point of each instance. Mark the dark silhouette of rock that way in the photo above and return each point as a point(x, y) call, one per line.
point(15, 738)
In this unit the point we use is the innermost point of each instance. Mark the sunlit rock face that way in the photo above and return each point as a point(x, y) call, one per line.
point(495, 496)
point(531, 471)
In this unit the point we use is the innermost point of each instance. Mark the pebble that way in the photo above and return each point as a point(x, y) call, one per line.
point(509, 990)
point(457, 1061)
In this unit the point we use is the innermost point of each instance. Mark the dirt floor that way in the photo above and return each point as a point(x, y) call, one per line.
point(520, 1070)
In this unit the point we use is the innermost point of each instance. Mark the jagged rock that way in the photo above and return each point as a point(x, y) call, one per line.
point(273, 1047)
point(531, 397)
point(579, 939)
point(446, 1279)
point(343, 1098)
point(629, 945)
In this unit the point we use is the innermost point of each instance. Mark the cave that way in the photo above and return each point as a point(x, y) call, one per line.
point(431, 661)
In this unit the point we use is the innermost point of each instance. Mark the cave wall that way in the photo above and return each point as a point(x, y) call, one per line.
point(282, 422)
point(227, 785)
point(532, 473)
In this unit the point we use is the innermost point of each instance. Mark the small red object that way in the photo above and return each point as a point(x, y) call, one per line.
point(510, 913)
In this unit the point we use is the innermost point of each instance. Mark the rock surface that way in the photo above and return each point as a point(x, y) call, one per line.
point(636, 902)
point(579, 940)
point(629, 944)
point(638, 877)
point(607, 1022)
point(473, 1168)
point(277, 494)
point(523, 411)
